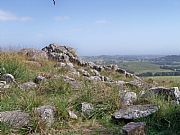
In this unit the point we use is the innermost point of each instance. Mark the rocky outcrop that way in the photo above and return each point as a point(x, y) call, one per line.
point(15, 119)
point(61, 53)
point(135, 112)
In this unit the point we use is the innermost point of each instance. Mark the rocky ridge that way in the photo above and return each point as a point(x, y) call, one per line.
point(66, 57)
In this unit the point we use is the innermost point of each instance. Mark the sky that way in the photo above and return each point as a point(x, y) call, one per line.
point(93, 27)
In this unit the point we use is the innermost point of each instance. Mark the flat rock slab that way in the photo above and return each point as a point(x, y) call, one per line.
point(16, 119)
point(134, 128)
point(135, 112)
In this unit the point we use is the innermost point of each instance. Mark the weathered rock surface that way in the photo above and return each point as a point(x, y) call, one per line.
point(40, 79)
point(135, 112)
point(15, 119)
point(34, 54)
point(174, 93)
point(72, 115)
point(61, 53)
point(134, 128)
point(128, 98)
point(8, 78)
point(87, 108)
point(28, 86)
point(46, 114)
point(4, 85)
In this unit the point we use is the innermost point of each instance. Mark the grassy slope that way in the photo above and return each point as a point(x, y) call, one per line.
point(56, 92)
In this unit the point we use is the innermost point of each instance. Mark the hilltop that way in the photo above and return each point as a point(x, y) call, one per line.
point(54, 91)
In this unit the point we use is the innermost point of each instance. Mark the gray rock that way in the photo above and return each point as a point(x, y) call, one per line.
point(87, 108)
point(3, 85)
point(72, 115)
point(28, 86)
point(40, 79)
point(8, 78)
point(134, 128)
point(15, 119)
point(34, 54)
point(95, 72)
point(95, 78)
point(75, 84)
point(84, 72)
point(135, 112)
point(46, 114)
point(174, 92)
point(60, 64)
point(70, 66)
point(128, 98)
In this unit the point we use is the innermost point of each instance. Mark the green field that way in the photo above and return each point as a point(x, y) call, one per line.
point(142, 67)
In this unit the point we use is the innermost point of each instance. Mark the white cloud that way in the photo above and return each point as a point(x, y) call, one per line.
point(62, 18)
point(101, 22)
point(8, 16)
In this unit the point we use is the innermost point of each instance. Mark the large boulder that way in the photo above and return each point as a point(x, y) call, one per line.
point(135, 112)
point(15, 119)
point(61, 53)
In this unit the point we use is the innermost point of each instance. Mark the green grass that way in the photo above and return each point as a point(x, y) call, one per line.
point(103, 96)
point(142, 67)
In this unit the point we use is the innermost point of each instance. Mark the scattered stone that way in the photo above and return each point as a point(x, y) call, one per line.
point(95, 72)
point(60, 64)
point(72, 115)
point(46, 114)
point(174, 92)
point(121, 71)
point(135, 112)
point(84, 72)
point(8, 78)
point(4, 85)
point(87, 108)
point(95, 78)
point(128, 98)
point(75, 84)
point(15, 119)
point(104, 78)
point(28, 86)
point(134, 128)
point(40, 79)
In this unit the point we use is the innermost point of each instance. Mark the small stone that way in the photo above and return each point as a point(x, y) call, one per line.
point(128, 98)
point(15, 119)
point(72, 115)
point(40, 79)
point(28, 86)
point(46, 114)
point(8, 78)
point(87, 108)
point(95, 78)
point(134, 128)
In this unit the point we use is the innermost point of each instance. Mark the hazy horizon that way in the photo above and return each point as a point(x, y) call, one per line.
point(103, 27)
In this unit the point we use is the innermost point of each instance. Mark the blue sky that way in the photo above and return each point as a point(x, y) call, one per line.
point(93, 27)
